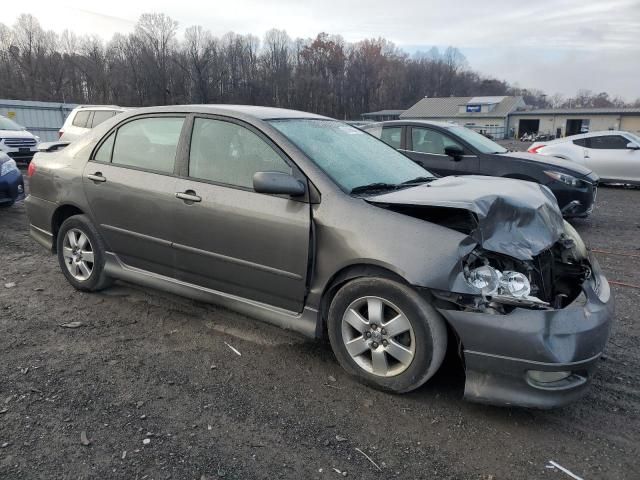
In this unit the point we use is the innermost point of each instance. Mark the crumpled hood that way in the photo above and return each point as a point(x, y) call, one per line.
point(574, 167)
point(516, 218)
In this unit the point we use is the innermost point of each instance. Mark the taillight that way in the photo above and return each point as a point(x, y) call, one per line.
point(32, 169)
point(60, 132)
point(535, 149)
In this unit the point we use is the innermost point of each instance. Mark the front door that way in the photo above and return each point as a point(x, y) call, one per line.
point(609, 157)
point(426, 147)
point(130, 187)
point(228, 237)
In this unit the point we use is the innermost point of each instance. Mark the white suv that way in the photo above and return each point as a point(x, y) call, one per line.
point(84, 118)
point(16, 142)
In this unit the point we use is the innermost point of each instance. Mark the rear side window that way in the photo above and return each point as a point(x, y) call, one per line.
point(100, 116)
point(148, 143)
point(228, 153)
point(582, 142)
point(392, 136)
point(104, 152)
point(609, 142)
point(80, 120)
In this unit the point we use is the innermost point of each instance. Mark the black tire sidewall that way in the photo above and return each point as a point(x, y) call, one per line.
point(97, 279)
point(428, 328)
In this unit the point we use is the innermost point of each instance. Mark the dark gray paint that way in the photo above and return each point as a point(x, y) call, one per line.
point(277, 257)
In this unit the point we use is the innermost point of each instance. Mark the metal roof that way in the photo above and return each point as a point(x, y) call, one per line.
point(449, 107)
point(383, 112)
point(485, 100)
point(581, 111)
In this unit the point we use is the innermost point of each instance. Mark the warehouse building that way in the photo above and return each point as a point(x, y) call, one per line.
point(563, 122)
point(486, 115)
point(382, 115)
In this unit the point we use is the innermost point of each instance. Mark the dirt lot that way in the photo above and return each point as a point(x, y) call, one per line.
point(153, 382)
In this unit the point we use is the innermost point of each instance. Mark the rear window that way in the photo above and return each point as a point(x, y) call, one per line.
point(80, 120)
point(100, 116)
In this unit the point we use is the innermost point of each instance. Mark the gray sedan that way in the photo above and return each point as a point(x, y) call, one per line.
point(318, 227)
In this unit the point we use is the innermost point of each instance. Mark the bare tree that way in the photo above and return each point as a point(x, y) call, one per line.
point(325, 74)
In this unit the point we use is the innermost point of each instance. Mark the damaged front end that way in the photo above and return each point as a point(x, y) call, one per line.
point(552, 279)
point(527, 301)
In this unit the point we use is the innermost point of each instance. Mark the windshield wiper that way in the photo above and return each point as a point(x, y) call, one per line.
point(418, 180)
point(372, 187)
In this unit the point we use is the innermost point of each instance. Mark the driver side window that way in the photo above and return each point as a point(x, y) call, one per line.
point(425, 140)
point(609, 142)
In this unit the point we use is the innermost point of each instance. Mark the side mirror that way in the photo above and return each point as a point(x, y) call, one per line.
point(632, 146)
point(278, 183)
point(454, 151)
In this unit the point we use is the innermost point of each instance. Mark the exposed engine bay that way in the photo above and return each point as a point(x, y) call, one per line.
point(525, 255)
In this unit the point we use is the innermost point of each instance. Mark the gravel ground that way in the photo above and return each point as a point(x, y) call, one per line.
point(153, 382)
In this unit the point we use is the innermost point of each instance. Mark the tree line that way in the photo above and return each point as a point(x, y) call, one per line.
point(326, 75)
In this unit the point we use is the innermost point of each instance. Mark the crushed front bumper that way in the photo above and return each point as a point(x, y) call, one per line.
point(506, 355)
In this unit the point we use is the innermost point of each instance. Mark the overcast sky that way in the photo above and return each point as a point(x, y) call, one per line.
point(558, 46)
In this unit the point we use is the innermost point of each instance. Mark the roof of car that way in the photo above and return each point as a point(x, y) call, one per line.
point(101, 107)
point(412, 121)
point(262, 113)
point(585, 135)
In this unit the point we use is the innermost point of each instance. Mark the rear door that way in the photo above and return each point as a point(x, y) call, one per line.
point(426, 147)
point(130, 186)
point(609, 157)
point(228, 237)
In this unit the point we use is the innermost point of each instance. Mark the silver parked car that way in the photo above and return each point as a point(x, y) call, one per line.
point(316, 226)
point(613, 155)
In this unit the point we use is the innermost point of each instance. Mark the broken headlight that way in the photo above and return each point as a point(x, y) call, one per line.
point(491, 281)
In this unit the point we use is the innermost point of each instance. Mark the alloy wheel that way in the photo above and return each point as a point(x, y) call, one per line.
point(378, 336)
point(78, 254)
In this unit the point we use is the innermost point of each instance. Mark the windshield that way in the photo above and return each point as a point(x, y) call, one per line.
point(6, 124)
point(477, 141)
point(351, 157)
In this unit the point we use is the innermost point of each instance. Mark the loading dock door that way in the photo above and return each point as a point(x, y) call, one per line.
point(576, 126)
point(528, 126)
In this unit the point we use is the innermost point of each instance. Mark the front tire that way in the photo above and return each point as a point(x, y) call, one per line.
point(385, 334)
point(81, 254)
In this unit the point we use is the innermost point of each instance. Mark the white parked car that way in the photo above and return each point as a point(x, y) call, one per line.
point(613, 155)
point(84, 118)
point(16, 142)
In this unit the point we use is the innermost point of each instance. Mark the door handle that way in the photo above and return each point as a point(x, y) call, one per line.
point(189, 196)
point(96, 177)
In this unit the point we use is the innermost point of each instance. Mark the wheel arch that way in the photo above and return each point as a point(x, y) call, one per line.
point(343, 276)
point(60, 214)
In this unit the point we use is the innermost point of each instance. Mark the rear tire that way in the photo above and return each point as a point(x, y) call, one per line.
point(81, 254)
point(385, 334)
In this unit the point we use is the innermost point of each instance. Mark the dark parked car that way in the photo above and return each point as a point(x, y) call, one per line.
point(313, 225)
point(448, 149)
point(11, 182)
